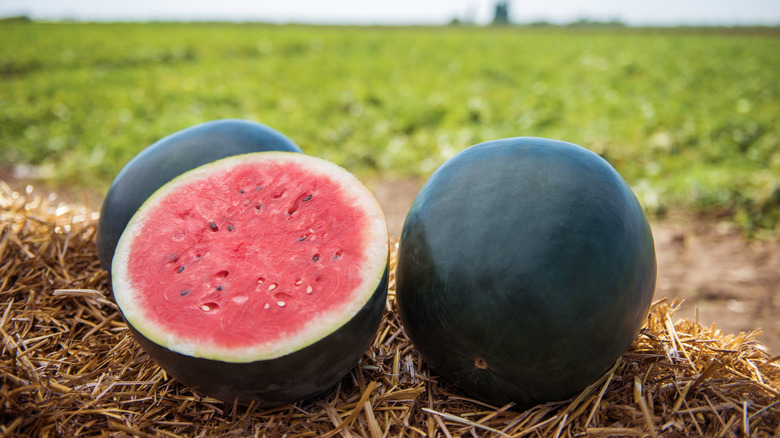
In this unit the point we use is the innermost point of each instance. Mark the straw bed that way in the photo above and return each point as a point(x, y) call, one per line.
point(69, 367)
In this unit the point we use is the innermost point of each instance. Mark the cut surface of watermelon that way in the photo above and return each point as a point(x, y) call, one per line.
point(251, 257)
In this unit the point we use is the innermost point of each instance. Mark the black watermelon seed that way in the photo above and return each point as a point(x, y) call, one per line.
point(181, 269)
point(213, 226)
point(308, 198)
point(230, 227)
point(240, 191)
point(259, 206)
point(219, 287)
point(316, 257)
point(184, 292)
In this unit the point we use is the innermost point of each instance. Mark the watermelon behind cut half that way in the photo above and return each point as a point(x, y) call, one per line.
point(259, 277)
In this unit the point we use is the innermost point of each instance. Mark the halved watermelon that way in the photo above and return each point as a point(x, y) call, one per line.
point(259, 277)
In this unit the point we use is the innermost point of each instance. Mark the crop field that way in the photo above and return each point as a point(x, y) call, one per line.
point(690, 118)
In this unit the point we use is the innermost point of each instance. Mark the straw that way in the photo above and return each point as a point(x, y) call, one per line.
point(69, 367)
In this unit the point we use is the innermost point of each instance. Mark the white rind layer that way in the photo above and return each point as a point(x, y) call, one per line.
point(375, 237)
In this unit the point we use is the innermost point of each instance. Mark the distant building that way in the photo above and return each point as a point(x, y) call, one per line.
point(502, 12)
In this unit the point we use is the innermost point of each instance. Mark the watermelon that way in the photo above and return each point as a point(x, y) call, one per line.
point(526, 267)
point(258, 277)
point(169, 158)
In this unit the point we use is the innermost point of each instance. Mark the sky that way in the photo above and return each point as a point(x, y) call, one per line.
point(632, 12)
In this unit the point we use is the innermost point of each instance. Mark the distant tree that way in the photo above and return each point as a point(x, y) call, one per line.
point(502, 12)
point(587, 22)
point(17, 19)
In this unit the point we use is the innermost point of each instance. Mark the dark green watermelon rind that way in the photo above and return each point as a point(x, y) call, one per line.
point(489, 345)
point(287, 379)
point(169, 158)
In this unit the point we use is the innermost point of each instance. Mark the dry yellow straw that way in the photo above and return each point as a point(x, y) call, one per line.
point(69, 367)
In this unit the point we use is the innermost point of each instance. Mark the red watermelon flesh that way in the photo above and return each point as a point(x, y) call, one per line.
point(251, 257)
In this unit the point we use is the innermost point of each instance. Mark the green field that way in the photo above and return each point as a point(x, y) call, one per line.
point(690, 118)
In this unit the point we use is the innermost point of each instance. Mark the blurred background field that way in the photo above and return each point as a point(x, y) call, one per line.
point(688, 116)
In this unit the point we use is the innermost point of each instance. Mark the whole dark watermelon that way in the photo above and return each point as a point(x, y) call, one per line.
point(169, 158)
point(526, 268)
